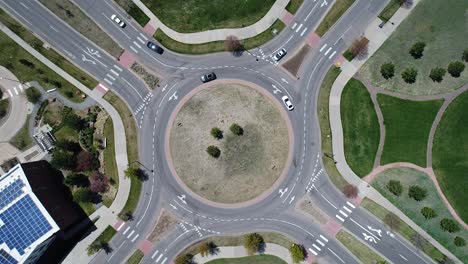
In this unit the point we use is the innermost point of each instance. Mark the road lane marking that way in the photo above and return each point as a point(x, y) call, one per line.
point(143, 36)
point(313, 186)
point(152, 186)
point(134, 50)
point(117, 67)
point(324, 238)
point(164, 260)
point(313, 252)
point(328, 50)
point(120, 226)
point(159, 258)
point(175, 208)
point(16, 91)
point(142, 41)
point(303, 32)
point(333, 54)
point(136, 44)
point(114, 72)
point(323, 47)
point(133, 88)
point(336, 255)
point(364, 228)
point(116, 250)
point(107, 81)
point(154, 255)
point(403, 257)
point(315, 246)
point(346, 208)
point(343, 213)
point(25, 6)
point(131, 233)
point(350, 204)
point(339, 217)
point(307, 17)
point(110, 76)
point(298, 28)
point(53, 28)
point(133, 240)
point(320, 242)
point(294, 26)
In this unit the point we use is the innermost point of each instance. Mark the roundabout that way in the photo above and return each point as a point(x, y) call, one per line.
point(250, 163)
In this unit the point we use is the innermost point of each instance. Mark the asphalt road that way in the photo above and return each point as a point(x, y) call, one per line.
point(180, 75)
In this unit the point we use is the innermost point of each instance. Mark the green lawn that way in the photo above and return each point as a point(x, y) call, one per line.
point(194, 16)
point(217, 46)
point(450, 154)
point(360, 127)
point(67, 133)
point(439, 24)
point(337, 10)
point(136, 257)
point(259, 259)
point(405, 230)
point(294, 5)
point(359, 249)
point(88, 208)
point(412, 208)
point(106, 236)
point(110, 165)
point(22, 140)
point(134, 11)
point(325, 131)
point(4, 107)
point(407, 127)
point(390, 10)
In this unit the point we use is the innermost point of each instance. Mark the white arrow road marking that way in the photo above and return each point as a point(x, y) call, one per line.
point(282, 192)
point(390, 234)
point(94, 52)
point(324, 3)
point(175, 208)
point(284, 80)
point(182, 198)
point(164, 88)
point(378, 231)
point(292, 199)
point(173, 96)
point(83, 58)
point(369, 238)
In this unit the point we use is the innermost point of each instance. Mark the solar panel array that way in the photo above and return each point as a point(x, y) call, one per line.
point(24, 224)
point(11, 192)
point(5, 258)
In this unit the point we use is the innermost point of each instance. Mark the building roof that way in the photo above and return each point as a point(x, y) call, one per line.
point(24, 222)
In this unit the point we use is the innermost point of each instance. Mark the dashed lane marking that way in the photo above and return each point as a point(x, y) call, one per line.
point(336, 255)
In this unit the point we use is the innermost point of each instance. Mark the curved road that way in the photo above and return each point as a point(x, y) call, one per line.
point(152, 111)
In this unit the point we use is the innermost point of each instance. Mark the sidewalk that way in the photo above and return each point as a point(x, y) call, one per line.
point(239, 252)
point(376, 38)
point(107, 216)
point(276, 12)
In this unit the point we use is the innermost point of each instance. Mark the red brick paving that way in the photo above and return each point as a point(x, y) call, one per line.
point(120, 222)
point(148, 29)
point(145, 246)
point(332, 227)
point(310, 257)
point(287, 18)
point(102, 88)
point(339, 60)
point(126, 59)
point(313, 39)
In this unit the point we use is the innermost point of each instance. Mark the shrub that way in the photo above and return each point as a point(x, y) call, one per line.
point(136, 173)
point(350, 191)
point(428, 212)
point(99, 182)
point(409, 75)
point(455, 68)
point(216, 133)
point(76, 179)
point(213, 151)
point(387, 70)
point(465, 55)
point(94, 248)
point(298, 253)
point(73, 121)
point(126, 215)
point(392, 220)
point(419, 241)
point(33, 95)
point(63, 159)
point(86, 162)
point(184, 259)
point(449, 225)
point(236, 129)
point(395, 187)
point(437, 74)
point(83, 195)
point(459, 241)
point(417, 193)
point(417, 49)
point(27, 63)
point(252, 243)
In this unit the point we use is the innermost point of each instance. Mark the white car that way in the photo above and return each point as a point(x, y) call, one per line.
point(118, 21)
point(279, 55)
point(287, 103)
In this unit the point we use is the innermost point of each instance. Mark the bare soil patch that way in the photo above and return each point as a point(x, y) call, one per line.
point(307, 207)
point(249, 164)
point(166, 222)
point(294, 64)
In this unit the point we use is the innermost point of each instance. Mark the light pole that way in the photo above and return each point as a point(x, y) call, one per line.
point(141, 164)
point(330, 156)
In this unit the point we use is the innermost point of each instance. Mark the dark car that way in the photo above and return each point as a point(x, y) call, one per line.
point(208, 77)
point(152, 46)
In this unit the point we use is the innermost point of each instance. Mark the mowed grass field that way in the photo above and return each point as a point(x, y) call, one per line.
point(412, 208)
point(450, 154)
point(194, 16)
point(407, 127)
point(442, 25)
point(260, 259)
point(360, 127)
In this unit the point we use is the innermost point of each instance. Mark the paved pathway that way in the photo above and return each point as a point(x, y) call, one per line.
point(275, 12)
point(377, 37)
point(107, 216)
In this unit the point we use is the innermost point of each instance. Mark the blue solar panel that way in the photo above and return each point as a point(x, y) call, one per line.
point(24, 224)
point(11, 192)
point(5, 258)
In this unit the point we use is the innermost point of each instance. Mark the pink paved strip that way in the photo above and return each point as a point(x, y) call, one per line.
point(287, 18)
point(145, 246)
point(339, 60)
point(332, 227)
point(117, 226)
point(148, 29)
point(102, 88)
point(126, 59)
point(313, 39)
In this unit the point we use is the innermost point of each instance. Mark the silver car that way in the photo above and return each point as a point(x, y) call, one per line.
point(118, 21)
point(287, 103)
point(278, 56)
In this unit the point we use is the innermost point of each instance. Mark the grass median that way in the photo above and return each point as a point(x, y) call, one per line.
point(22, 140)
point(131, 136)
point(136, 257)
point(359, 249)
point(134, 11)
point(260, 259)
point(294, 5)
point(218, 46)
point(390, 9)
point(325, 130)
point(337, 10)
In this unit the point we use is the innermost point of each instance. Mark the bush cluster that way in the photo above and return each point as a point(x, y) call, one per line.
point(395, 187)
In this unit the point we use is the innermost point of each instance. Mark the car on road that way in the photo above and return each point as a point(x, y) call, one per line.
point(118, 21)
point(152, 46)
point(278, 56)
point(208, 77)
point(287, 103)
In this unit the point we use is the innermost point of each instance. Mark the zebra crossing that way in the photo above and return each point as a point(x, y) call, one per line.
point(345, 211)
point(318, 245)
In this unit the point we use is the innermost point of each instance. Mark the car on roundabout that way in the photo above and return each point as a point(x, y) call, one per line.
point(208, 77)
point(287, 103)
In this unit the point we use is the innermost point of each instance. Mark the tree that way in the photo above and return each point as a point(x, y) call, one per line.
point(437, 74)
point(232, 44)
point(126, 215)
point(184, 259)
point(204, 249)
point(464, 57)
point(449, 225)
point(217, 133)
point(455, 68)
point(99, 182)
point(298, 253)
point(350, 191)
point(395, 187)
point(86, 162)
point(63, 159)
point(94, 247)
point(409, 75)
point(417, 49)
point(459, 241)
point(359, 47)
point(236, 129)
point(73, 121)
point(253, 243)
point(136, 172)
point(387, 70)
point(428, 212)
point(213, 151)
point(392, 220)
point(419, 241)
point(33, 95)
point(67, 145)
point(83, 195)
point(417, 193)
point(76, 179)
